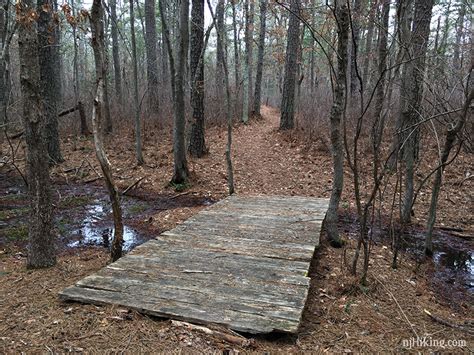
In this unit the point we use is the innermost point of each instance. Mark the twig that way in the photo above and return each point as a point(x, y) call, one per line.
point(233, 338)
point(448, 323)
point(399, 307)
point(178, 195)
point(132, 186)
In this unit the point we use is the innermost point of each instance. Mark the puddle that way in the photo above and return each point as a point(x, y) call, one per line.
point(97, 229)
point(453, 259)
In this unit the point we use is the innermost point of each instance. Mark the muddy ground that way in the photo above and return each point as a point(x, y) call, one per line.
point(340, 315)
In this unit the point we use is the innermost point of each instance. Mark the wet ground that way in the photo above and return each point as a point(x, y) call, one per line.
point(452, 264)
point(83, 218)
point(83, 215)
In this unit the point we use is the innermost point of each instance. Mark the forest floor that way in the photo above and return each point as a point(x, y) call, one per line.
point(340, 315)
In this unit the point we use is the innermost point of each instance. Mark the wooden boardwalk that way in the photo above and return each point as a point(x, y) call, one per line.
point(242, 263)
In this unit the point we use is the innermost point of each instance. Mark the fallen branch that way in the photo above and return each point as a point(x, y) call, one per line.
point(132, 186)
point(68, 111)
point(178, 195)
point(448, 323)
point(399, 307)
point(230, 338)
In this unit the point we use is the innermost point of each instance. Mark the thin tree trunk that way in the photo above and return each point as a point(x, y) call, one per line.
point(337, 110)
point(116, 52)
point(77, 81)
point(197, 144)
point(287, 120)
point(448, 145)
point(459, 32)
point(50, 87)
point(356, 17)
point(248, 55)
point(412, 89)
point(99, 54)
point(178, 69)
point(236, 57)
point(220, 52)
point(368, 43)
point(41, 241)
point(151, 56)
point(136, 107)
point(106, 100)
point(261, 52)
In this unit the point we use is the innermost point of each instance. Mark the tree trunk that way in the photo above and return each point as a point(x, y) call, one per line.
point(136, 107)
point(4, 65)
point(448, 145)
point(236, 57)
point(291, 66)
point(249, 8)
point(356, 17)
point(50, 87)
point(220, 52)
point(116, 52)
point(261, 51)
point(337, 110)
point(77, 81)
point(106, 99)
point(459, 33)
point(178, 69)
point(97, 30)
point(151, 56)
point(197, 143)
point(41, 241)
point(368, 43)
point(412, 95)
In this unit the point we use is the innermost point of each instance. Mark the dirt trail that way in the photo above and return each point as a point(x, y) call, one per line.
point(271, 162)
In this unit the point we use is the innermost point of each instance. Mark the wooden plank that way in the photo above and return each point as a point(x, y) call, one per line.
point(242, 263)
point(241, 245)
point(197, 313)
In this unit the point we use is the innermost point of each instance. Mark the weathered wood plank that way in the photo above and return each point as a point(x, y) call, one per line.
point(242, 263)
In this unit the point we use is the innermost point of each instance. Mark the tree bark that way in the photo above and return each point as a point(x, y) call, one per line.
point(337, 110)
point(356, 17)
point(412, 95)
point(220, 52)
point(97, 30)
point(41, 240)
point(287, 120)
point(50, 86)
point(151, 56)
point(247, 92)
point(459, 33)
point(77, 81)
point(178, 70)
point(261, 52)
point(197, 144)
point(236, 57)
point(116, 52)
point(136, 107)
point(448, 145)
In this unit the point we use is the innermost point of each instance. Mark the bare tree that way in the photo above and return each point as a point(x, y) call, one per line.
point(197, 144)
point(261, 51)
point(411, 97)
point(41, 243)
point(178, 69)
point(247, 91)
point(291, 66)
point(453, 130)
point(97, 29)
point(220, 28)
point(136, 105)
point(151, 55)
point(116, 51)
point(340, 92)
point(77, 81)
point(50, 85)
